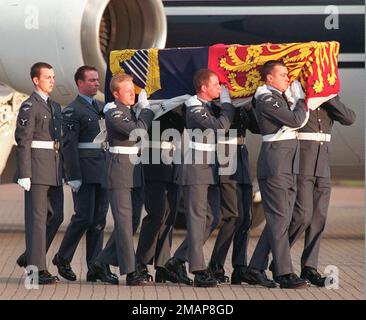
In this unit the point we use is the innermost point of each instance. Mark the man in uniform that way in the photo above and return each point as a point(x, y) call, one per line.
point(236, 202)
point(313, 183)
point(161, 201)
point(39, 170)
point(85, 172)
point(278, 164)
point(200, 178)
point(125, 181)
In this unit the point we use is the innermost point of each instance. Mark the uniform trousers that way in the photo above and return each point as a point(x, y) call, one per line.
point(119, 250)
point(278, 194)
point(44, 213)
point(236, 205)
point(202, 213)
point(310, 214)
point(161, 205)
point(91, 207)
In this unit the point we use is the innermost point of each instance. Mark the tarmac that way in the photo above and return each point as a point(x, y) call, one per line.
point(342, 254)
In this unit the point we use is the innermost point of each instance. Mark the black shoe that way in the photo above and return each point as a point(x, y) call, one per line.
point(313, 276)
point(217, 271)
point(44, 277)
point(178, 269)
point(163, 275)
point(144, 271)
point(64, 268)
point(113, 275)
point(135, 279)
point(255, 276)
point(204, 279)
point(22, 261)
point(291, 281)
point(239, 275)
point(100, 272)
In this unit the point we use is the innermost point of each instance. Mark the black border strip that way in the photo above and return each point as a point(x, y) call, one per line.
point(351, 65)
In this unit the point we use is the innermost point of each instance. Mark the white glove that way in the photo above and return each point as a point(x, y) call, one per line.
point(25, 183)
point(289, 98)
point(261, 90)
point(108, 106)
point(75, 185)
point(224, 95)
point(142, 99)
point(193, 101)
point(296, 90)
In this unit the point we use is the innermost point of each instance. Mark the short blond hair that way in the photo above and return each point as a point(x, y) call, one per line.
point(117, 79)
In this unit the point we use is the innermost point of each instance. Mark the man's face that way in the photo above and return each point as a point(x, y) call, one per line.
point(278, 78)
point(90, 85)
point(46, 80)
point(211, 90)
point(125, 93)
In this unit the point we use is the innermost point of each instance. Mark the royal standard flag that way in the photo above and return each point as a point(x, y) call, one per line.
point(168, 73)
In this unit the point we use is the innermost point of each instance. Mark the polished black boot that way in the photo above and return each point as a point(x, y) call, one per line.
point(204, 279)
point(218, 272)
point(113, 275)
point(291, 281)
point(163, 275)
point(44, 277)
point(144, 271)
point(258, 277)
point(178, 270)
point(135, 279)
point(313, 276)
point(239, 275)
point(64, 268)
point(100, 272)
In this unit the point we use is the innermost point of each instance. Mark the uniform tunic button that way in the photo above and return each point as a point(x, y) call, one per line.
point(319, 120)
point(321, 131)
point(55, 128)
point(321, 143)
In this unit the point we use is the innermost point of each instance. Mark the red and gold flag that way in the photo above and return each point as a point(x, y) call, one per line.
point(314, 64)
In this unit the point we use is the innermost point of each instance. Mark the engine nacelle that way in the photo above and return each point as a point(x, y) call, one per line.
point(72, 33)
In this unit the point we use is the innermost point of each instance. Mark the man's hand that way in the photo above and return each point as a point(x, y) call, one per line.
point(25, 183)
point(224, 95)
point(261, 90)
point(75, 185)
point(193, 101)
point(142, 100)
point(296, 90)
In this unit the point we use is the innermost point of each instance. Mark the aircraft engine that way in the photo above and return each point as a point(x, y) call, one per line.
point(72, 33)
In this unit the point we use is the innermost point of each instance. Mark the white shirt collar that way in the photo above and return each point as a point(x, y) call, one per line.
point(42, 95)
